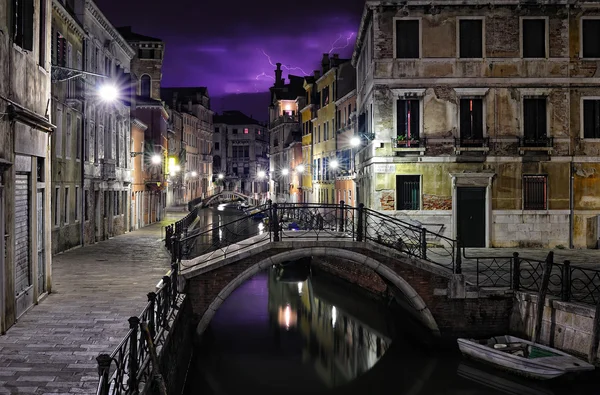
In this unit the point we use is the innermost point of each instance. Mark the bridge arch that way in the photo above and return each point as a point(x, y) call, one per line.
point(415, 300)
point(225, 195)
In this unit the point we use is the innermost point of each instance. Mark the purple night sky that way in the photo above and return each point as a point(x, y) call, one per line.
point(230, 46)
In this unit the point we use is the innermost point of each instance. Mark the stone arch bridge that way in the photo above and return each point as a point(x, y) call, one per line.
point(225, 196)
point(420, 274)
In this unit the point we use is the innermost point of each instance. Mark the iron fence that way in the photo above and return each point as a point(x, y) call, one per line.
point(127, 369)
point(179, 227)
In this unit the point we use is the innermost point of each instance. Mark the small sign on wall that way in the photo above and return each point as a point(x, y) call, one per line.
point(385, 168)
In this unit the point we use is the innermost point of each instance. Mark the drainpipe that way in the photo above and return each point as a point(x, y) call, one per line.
point(571, 201)
point(83, 143)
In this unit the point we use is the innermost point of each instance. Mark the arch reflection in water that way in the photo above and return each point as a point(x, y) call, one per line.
point(337, 345)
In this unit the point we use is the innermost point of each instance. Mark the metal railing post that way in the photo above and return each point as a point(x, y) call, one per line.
point(134, 323)
point(151, 318)
point(566, 281)
point(166, 304)
point(423, 243)
point(359, 222)
point(104, 361)
point(516, 271)
point(174, 290)
point(341, 216)
point(174, 249)
point(275, 223)
point(458, 260)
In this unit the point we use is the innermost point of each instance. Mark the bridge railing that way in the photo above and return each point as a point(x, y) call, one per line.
point(567, 282)
point(127, 370)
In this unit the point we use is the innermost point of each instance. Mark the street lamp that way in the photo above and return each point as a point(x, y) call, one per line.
point(261, 174)
point(108, 93)
point(156, 159)
point(176, 169)
point(285, 172)
point(300, 169)
point(355, 141)
point(334, 164)
point(194, 174)
point(221, 176)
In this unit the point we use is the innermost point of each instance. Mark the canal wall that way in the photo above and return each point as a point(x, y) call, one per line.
point(566, 326)
point(473, 315)
point(176, 354)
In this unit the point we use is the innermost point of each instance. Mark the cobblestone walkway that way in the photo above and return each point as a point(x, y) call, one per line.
point(52, 349)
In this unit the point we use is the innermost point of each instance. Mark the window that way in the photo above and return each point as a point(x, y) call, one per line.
point(591, 119)
point(77, 204)
point(408, 192)
point(325, 96)
point(66, 202)
point(408, 118)
point(58, 134)
point(68, 137)
point(216, 130)
point(590, 32)
point(57, 206)
point(534, 192)
point(407, 39)
point(42, 35)
point(145, 83)
point(23, 11)
point(87, 205)
point(534, 38)
point(234, 131)
point(534, 123)
point(217, 146)
point(470, 38)
point(245, 130)
point(471, 119)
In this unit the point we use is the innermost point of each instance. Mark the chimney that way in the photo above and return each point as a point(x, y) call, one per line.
point(325, 63)
point(335, 60)
point(278, 80)
point(317, 74)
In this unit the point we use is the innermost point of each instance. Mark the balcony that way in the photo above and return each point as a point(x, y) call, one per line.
point(401, 144)
point(284, 119)
point(535, 144)
point(109, 171)
point(75, 93)
point(470, 144)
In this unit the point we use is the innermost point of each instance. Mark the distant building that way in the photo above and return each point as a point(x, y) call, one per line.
point(195, 142)
point(150, 196)
point(240, 153)
point(483, 121)
point(25, 167)
point(284, 129)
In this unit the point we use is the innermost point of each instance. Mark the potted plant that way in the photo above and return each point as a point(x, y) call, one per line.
point(403, 141)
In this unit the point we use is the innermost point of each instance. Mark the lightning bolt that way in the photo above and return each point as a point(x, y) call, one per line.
point(340, 38)
point(265, 75)
point(286, 67)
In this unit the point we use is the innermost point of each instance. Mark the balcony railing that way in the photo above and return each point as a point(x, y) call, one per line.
point(409, 143)
point(536, 142)
point(284, 119)
point(478, 142)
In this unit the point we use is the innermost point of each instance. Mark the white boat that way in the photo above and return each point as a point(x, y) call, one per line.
point(523, 357)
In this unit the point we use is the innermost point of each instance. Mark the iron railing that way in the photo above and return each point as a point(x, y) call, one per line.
point(127, 370)
point(179, 227)
point(567, 282)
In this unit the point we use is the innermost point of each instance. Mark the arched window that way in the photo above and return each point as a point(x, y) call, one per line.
point(145, 84)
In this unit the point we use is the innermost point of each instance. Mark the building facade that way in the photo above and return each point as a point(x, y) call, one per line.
point(195, 153)
point(107, 130)
point(307, 114)
point(345, 121)
point(67, 38)
point(147, 108)
point(484, 119)
point(25, 166)
point(284, 129)
point(240, 153)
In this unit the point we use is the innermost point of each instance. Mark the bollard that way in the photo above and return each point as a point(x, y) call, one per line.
point(132, 372)
point(275, 222)
point(516, 271)
point(341, 216)
point(104, 361)
point(424, 243)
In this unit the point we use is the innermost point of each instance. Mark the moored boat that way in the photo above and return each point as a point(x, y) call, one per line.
point(523, 357)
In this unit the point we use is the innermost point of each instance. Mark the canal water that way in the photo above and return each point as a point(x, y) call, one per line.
point(293, 330)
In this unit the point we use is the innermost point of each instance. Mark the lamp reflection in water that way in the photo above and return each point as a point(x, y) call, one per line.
point(287, 317)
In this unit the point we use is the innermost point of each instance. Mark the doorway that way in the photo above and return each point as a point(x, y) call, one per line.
point(471, 216)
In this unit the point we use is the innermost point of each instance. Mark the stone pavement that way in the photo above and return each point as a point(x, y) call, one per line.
point(52, 348)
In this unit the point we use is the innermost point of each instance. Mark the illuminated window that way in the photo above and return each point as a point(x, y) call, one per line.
point(245, 130)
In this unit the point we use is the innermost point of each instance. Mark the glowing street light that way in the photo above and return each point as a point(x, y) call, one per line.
point(261, 174)
point(156, 159)
point(221, 176)
point(334, 164)
point(194, 174)
point(355, 141)
point(300, 169)
point(176, 169)
point(108, 92)
point(285, 172)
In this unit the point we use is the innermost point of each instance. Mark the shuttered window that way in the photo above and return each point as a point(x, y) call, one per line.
point(407, 39)
point(23, 23)
point(408, 192)
point(591, 119)
point(408, 119)
point(534, 118)
point(534, 38)
point(534, 192)
point(591, 43)
point(471, 38)
point(471, 118)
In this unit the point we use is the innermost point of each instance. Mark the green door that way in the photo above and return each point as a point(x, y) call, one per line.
point(471, 216)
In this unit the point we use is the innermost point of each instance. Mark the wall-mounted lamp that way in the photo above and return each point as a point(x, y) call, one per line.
point(134, 154)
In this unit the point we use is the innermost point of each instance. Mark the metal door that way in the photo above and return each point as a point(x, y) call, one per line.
point(22, 245)
point(41, 274)
point(471, 216)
